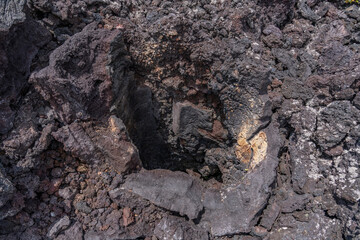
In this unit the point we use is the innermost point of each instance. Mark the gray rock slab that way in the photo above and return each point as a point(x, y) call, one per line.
point(175, 191)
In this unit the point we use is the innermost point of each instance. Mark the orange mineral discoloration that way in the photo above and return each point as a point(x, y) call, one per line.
point(243, 151)
point(113, 125)
point(259, 148)
point(251, 152)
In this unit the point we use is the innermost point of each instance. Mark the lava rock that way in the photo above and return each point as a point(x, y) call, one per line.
point(182, 193)
point(60, 225)
point(81, 86)
point(6, 190)
point(223, 91)
point(83, 207)
point(94, 142)
point(356, 101)
point(74, 232)
point(175, 191)
point(307, 12)
point(19, 46)
point(270, 214)
point(335, 122)
point(67, 193)
point(11, 13)
point(293, 202)
point(324, 229)
point(302, 92)
point(188, 120)
point(175, 228)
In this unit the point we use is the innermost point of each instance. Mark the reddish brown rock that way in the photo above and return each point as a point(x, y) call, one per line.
point(128, 216)
point(54, 185)
point(79, 86)
point(95, 142)
point(211, 64)
point(335, 151)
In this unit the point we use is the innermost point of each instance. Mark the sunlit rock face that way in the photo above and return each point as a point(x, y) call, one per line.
point(179, 120)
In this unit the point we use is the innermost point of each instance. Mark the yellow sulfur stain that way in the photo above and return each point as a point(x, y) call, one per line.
point(259, 147)
point(243, 151)
point(252, 152)
point(113, 125)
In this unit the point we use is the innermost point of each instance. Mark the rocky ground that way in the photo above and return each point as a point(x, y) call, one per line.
point(205, 119)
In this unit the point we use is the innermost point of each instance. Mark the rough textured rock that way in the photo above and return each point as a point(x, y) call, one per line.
point(11, 13)
point(175, 191)
point(232, 209)
point(92, 142)
point(60, 225)
point(19, 45)
point(317, 226)
point(173, 228)
point(6, 190)
point(235, 208)
point(77, 83)
point(179, 119)
point(74, 232)
point(336, 121)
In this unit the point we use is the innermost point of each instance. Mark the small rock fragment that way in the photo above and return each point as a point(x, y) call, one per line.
point(82, 207)
point(128, 216)
point(270, 215)
point(67, 193)
point(60, 225)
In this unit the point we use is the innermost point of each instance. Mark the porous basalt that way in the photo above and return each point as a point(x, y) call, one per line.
point(179, 120)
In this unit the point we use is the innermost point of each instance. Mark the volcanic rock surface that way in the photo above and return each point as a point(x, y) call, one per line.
point(205, 119)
